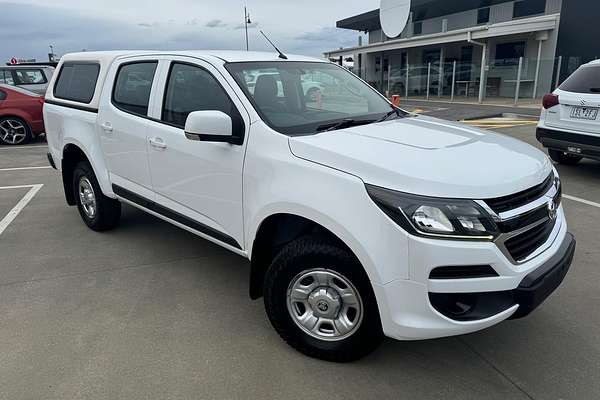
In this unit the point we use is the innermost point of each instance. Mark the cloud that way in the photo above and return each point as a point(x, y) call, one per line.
point(215, 23)
point(27, 29)
point(149, 25)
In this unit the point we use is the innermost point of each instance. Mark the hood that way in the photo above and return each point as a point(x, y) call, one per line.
point(427, 156)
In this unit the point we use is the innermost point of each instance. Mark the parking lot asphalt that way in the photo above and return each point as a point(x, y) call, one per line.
point(149, 311)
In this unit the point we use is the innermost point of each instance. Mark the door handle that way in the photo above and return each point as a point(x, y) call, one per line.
point(107, 127)
point(157, 143)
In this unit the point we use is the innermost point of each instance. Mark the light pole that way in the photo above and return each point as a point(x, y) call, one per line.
point(246, 22)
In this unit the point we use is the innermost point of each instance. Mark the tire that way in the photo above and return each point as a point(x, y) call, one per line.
point(306, 257)
point(14, 131)
point(564, 158)
point(106, 211)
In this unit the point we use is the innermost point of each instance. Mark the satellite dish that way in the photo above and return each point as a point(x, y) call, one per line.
point(393, 15)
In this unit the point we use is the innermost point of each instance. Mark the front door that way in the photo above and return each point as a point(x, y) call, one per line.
point(201, 182)
point(123, 124)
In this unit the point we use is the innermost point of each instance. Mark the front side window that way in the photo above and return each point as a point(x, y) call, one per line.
point(77, 82)
point(585, 80)
point(298, 98)
point(192, 88)
point(133, 86)
point(30, 77)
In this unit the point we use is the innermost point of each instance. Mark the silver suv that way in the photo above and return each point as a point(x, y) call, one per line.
point(31, 77)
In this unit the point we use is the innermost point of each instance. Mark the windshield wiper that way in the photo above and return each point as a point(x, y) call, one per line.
point(392, 112)
point(345, 123)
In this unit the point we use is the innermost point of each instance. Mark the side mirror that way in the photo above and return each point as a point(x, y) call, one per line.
point(209, 126)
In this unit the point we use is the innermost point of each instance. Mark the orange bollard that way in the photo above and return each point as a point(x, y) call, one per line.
point(396, 100)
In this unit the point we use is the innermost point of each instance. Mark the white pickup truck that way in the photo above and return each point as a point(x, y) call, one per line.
point(360, 220)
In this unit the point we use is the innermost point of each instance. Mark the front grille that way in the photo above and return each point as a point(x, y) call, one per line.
point(523, 245)
point(510, 202)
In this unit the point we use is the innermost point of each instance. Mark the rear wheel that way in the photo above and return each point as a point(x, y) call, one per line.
point(564, 158)
point(100, 213)
point(14, 131)
point(320, 301)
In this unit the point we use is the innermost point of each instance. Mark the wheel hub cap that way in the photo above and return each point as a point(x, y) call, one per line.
point(324, 304)
point(87, 197)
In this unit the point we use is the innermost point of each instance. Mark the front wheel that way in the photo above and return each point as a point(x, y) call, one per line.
point(564, 158)
point(100, 213)
point(321, 302)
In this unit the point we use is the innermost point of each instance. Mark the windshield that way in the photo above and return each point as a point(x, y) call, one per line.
point(299, 98)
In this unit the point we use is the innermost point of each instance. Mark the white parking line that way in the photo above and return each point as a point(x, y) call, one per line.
point(23, 168)
point(22, 147)
point(583, 201)
point(12, 214)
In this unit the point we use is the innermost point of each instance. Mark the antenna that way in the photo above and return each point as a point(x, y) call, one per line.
point(281, 55)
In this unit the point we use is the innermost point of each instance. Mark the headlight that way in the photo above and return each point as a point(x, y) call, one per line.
point(435, 217)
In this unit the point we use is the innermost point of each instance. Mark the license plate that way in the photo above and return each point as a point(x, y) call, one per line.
point(584, 113)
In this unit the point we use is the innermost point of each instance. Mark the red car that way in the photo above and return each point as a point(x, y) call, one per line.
point(20, 115)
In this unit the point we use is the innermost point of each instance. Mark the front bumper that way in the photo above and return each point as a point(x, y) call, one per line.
point(413, 309)
point(574, 143)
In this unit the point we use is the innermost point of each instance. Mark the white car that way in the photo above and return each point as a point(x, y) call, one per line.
point(569, 124)
point(360, 220)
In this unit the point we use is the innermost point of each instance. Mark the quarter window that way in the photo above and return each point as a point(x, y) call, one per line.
point(133, 86)
point(77, 82)
point(192, 88)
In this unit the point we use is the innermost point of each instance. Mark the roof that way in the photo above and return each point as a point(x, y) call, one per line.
point(422, 9)
point(225, 55)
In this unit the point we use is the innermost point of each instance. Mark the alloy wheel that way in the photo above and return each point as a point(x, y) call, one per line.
point(13, 131)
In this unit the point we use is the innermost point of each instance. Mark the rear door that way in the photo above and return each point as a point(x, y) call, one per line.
point(123, 123)
point(579, 96)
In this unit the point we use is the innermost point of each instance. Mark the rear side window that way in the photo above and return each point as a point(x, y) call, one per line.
point(191, 88)
point(77, 82)
point(133, 86)
point(30, 76)
point(584, 80)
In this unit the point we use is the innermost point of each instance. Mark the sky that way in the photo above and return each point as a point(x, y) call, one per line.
point(304, 27)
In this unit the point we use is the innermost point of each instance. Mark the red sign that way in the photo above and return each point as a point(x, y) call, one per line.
point(14, 61)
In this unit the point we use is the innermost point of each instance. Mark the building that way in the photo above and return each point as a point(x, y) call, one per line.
point(521, 47)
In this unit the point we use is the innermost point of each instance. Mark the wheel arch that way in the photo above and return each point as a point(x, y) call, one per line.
point(74, 152)
point(275, 231)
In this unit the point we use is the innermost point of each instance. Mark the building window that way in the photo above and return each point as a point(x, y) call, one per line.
point(483, 15)
point(509, 53)
point(418, 28)
point(525, 8)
